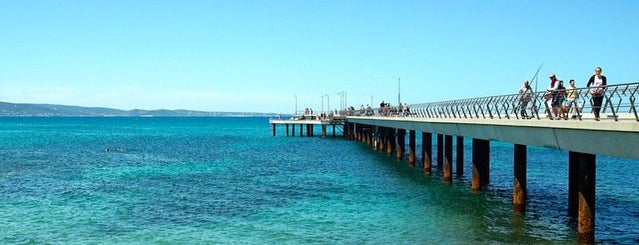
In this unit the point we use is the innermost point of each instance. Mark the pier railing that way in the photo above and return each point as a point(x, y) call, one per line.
point(619, 103)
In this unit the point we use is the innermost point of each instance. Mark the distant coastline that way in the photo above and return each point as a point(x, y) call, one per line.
point(50, 110)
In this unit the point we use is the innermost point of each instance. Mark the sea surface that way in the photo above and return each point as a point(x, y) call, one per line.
point(135, 180)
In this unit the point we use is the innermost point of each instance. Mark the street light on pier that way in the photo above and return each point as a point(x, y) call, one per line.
point(295, 113)
point(328, 102)
point(342, 100)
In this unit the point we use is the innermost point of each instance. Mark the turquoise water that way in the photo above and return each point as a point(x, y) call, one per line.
point(229, 181)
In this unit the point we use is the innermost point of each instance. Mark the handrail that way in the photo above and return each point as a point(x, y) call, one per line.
point(619, 102)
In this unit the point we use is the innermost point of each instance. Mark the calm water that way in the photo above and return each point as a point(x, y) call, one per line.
point(228, 181)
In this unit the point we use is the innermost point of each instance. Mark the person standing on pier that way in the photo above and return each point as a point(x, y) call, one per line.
point(598, 83)
point(571, 99)
point(525, 93)
point(558, 100)
point(551, 93)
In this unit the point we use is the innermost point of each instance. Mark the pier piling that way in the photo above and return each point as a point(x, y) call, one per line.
point(481, 158)
point(382, 139)
point(323, 131)
point(401, 143)
point(586, 218)
point(460, 156)
point(573, 184)
point(448, 158)
point(519, 185)
point(390, 140)
point(427, 151)
point(440, 150)
point(411, 147)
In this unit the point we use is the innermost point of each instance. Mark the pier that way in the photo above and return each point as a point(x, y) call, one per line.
point(306, 124)
point(498, 118)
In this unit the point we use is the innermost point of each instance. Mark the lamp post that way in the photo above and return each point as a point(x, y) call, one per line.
point(322, 103)
point(371, 104)
point(342, 100)
point(328, 102)
point(295, 113)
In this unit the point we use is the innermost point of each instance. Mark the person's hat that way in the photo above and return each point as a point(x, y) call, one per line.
point(552, 75)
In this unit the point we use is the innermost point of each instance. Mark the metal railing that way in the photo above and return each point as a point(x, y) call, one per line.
point(618, 103)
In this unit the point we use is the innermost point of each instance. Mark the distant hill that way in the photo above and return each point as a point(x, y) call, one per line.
point(16, 109)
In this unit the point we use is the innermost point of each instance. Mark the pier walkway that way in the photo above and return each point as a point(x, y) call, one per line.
point(308, 122)
point(500, 118)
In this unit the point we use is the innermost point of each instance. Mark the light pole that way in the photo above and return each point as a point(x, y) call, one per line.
point(322, 103)
point(295, 113)
point(342, 100)
point(328, 102)
point(371, 104)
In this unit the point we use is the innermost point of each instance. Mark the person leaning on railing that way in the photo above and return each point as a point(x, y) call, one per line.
point(598, 83)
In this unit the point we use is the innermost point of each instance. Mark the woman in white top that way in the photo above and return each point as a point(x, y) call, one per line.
point(597, 91)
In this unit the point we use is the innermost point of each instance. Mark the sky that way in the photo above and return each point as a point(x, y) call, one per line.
point(275, 56)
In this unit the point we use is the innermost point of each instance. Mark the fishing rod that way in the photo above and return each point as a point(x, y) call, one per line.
point(535, 78)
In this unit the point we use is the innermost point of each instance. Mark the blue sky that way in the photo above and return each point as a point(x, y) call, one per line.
point(257, 56)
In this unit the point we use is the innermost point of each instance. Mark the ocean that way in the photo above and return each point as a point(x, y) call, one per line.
point(227, 180)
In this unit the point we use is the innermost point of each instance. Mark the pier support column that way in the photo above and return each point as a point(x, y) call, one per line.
point(573, 184)
point(353, 135)
point(345, 130)
point(460, 156)
point(293, 130)
point(274, 127)
point(301, 130)
point(351, 131)
point(427, 151)
point(374, 133)
point(448, 158)
point(390, 140)
point(411, 148)
point(481, 165)
point(519, 185)
point(401, 143)
point(382, 139)
point(287, 129)
point(365, 132)
point(323, 130)
point(440, 150)
point(334, 130)
point(586, 218)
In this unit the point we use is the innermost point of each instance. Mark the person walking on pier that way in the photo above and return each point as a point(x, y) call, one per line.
point(598, 83)
point(525, 93)
point(571, 100)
